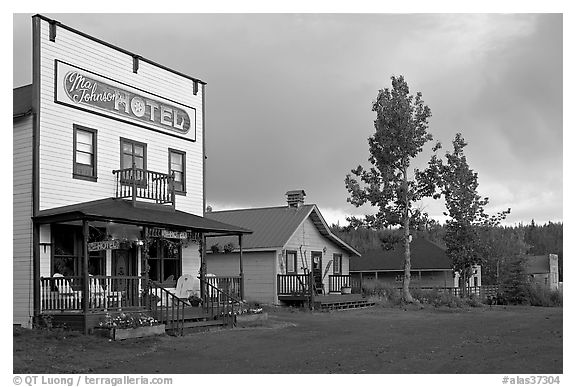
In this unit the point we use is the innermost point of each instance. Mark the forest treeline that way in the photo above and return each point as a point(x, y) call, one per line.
point(499, 245)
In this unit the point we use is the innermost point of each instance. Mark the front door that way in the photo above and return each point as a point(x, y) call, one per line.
point(124, 266)
point(317, 271)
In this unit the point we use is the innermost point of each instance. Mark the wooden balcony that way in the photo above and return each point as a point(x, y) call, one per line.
point(135, 183)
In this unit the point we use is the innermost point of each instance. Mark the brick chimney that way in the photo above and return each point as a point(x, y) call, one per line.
point(295, 198)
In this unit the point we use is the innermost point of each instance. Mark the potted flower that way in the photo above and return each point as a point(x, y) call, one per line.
point(346, 289)
point(194, 300)
point(127, 325)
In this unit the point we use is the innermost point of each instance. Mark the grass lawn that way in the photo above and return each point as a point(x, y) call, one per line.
point(503, 339)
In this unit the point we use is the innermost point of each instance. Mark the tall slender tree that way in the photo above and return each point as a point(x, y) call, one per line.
point(401, 130)
point(458, 183)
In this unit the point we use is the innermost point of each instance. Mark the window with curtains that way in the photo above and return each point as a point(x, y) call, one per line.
point(165, 261)
point(84, 153)
point(291, 262)
point(177, 165)
point(133, 153)
point(337, 263)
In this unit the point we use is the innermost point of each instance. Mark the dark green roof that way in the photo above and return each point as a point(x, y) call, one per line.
point(423, 255)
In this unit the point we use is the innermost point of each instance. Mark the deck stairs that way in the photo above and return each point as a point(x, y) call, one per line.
point(341, 301)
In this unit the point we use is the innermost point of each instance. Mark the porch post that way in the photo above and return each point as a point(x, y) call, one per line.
point(202, 264)
point(241, 268)
point(36, 268)
point(85, 284)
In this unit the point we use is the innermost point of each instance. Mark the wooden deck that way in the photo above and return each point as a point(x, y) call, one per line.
point(331, 301)
point(341, 301)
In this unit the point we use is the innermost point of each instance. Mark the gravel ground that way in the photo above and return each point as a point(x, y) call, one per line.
point(485, 340)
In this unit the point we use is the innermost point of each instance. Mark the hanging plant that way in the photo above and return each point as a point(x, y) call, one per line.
point(229, 247)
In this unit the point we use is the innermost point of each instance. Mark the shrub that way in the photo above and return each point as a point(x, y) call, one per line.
point(539, 296)
point(382, 292)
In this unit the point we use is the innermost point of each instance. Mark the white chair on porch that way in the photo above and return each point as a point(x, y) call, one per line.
point(67, 298)
point(184, 287)
point(101, 298)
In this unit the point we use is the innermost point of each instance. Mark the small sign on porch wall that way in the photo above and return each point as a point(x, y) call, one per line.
point(104, 245)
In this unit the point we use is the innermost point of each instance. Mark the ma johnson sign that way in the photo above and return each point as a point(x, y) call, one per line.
point(86, 90)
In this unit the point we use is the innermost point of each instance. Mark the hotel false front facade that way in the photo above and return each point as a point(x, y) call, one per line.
point(109, 168)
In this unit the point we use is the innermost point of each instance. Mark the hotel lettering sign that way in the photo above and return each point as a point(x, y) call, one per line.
point(104, 245)
point(172, 234)
point(89, 91)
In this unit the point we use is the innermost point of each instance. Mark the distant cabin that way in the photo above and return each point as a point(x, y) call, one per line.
point(287, 242)
point(430, 266)
point(543, 270)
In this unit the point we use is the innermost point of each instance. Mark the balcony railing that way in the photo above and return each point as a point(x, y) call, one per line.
point(136, 183)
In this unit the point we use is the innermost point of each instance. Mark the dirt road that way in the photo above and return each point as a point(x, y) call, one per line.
point(377, 340)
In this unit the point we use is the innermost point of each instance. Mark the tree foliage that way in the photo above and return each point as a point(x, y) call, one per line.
point(458, 184)
point(401, 130)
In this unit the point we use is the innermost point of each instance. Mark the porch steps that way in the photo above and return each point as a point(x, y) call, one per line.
point(342, 301)
point(197, 326)
point(196, 319)
point(345, 305)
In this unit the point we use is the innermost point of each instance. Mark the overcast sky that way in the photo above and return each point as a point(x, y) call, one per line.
point(289, 96)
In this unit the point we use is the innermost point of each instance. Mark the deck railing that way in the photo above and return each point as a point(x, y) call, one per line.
point(144, 184)
point(293, 284)
point(483, 292)
point(104, 292)
point(227, 284)
point(337, 281)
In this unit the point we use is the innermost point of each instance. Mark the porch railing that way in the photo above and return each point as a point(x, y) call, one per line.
point(220, 304)
point(230, 285)
point(293, 285)
point(104, 292)
point(166, 307)
point(144, 184)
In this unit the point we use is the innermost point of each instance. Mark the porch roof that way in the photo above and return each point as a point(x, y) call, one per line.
point(122, 211)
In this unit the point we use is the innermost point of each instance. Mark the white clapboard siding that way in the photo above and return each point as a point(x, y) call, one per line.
point(22, 222)
point(258, 267)
point(57, 186)
point(308, 236)
point(191, 263)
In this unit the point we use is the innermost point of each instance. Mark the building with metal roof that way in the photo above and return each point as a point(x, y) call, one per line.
point(287, 242)
point(430, 266)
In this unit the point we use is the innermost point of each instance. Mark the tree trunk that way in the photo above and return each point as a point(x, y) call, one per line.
point(406, 281)
point(464, 285)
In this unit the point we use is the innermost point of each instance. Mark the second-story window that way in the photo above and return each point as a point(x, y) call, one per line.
point(177, 164)
point(84, 153)
point(133, 153)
